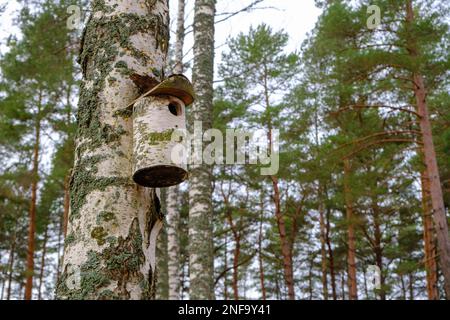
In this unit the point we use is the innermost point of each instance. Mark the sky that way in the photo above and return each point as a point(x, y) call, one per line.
point(296, 17)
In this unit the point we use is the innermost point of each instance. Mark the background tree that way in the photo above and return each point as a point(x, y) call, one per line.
point(201, 260)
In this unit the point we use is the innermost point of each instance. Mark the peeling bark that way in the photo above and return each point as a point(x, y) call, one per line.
point(113, 223)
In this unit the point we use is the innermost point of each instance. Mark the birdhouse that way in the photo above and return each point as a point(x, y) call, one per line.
point(157, 114)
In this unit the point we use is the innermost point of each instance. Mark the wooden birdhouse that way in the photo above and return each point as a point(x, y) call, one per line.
point(157, 114)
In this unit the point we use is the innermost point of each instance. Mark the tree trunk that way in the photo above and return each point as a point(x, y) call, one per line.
point(411, 286)
point(42, 271)
point(11, 266)
point(260, 255)
point(3, 285)
point(432, 170)
point(330, 256)
point(285, 246)
point(366, 289)
point(323, 252)
point(428, 240)
point(201, 260)
point(286, 251)
point(236, 253)
point(378, 250)
point(351, 252)
point(33, 203)
point(113, 223)
point(310, 277)
point(179, 44)
point(162, 262)
point(225, 276)
point(402, 280)
point(277, 287)
point(173, 232)
point(21, 289)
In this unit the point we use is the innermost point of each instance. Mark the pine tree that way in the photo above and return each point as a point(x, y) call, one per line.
point(371, 71)
point(35, 71)
point(259, 56)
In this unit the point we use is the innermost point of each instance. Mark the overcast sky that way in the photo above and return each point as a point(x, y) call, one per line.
point(296, 17)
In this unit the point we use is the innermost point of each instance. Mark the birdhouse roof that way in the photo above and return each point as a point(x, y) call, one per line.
point(176, 85)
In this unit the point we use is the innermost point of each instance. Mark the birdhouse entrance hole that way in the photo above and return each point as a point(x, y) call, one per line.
point(175, 108)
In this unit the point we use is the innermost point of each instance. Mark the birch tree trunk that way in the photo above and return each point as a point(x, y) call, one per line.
point(162, 290)
point(113, 223)
point(179, 44)
point(173, 231)
point(201, 262)
point(173, 201)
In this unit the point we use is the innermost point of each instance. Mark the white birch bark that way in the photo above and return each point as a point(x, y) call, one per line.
point(179, 44)
point(113, 224)
point(201, 262)
point(173, 232)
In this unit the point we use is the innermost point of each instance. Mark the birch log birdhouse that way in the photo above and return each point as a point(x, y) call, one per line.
point(157, 114)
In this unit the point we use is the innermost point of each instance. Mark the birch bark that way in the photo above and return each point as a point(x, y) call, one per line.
point(201, 262)
point(113, 223)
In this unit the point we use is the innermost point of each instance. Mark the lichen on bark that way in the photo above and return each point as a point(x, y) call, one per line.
point(109, 252)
